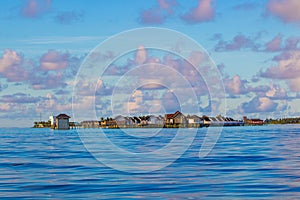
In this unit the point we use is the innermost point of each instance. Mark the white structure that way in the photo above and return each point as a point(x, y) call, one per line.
point(194, 119)
point(156, 120)
point(52, 121)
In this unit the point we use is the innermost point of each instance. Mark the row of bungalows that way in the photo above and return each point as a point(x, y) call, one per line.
point(150, 121)
point(178, 119)
point(90, 124)
point(174, 120)
point(109, 123)
point(221, 121)
point(143, 121)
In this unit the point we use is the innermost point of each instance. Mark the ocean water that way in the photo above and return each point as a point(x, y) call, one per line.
point(261, 162)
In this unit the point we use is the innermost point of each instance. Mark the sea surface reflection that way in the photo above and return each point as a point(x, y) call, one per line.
point(247, 162)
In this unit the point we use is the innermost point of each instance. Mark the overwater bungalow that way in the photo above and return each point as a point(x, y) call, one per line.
point(175, 120)
point(254, 121)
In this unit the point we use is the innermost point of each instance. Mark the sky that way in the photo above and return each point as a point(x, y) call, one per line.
point(254, 44)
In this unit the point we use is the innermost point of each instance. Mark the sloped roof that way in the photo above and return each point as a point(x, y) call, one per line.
point(171, 116)
point(256, 119)
point(168, 116)
point(62, 116)
point(193, 117)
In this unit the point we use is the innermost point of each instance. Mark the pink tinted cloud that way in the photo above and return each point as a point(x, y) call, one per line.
point(287, 66)
point(241, 42)
point(167, 5)
point(20, 98)
point(54, 104)
point(275, 44)
point(35, 8)
point(280, 44)
point(259, 104)
point(5, 107)
point(152, 16)
point(238, 42)
point(235, 86)
point(287, 69)
point(159, 13)
point(141, 55)
point(50, 81)
point(203, 12)
point(11, 66)
point(54, 60)
point(294, 84)
point(276, 92)
point(292, 43)
point(170, 102)
point(286, 10)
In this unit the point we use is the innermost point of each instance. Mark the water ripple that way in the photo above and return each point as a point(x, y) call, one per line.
point(247, 162)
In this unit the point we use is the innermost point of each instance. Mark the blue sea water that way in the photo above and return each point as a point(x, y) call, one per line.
point(251, 162)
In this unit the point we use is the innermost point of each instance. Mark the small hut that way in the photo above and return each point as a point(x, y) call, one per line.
point(62, 122)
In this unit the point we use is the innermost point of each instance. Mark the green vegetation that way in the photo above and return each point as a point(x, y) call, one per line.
point(42, 124)
point(283, 121)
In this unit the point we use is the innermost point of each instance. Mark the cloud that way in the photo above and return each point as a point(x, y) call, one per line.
point(280, 44)
point(237, 43)
point(242, 42)
point(259, 90)
point(159, 13)
point(152, 16)
point(203, 12)
point(69, 17)
point(170, 102)
point(151, 86)
point(292, 43)
point(5, 107)
point(275, 44)
point(11, 66)
point(14, 106)
point(85, 88)
point(141, 55)
point(35, 8)
point(235, 85)
point(287, 66)
point(21, 98)
point(287, 69)
point(135, 103)
point(53, 71)
point(259, 104)
point(53, 60)
point(286, 10)
point(53, 104)
point(294, 84)
point(167, 5)
point(48, 81)
point(275, 92)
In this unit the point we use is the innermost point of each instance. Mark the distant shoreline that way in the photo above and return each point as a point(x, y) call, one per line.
point(152, 127)
point(173, 120)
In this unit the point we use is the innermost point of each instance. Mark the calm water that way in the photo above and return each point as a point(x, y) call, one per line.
point(247, 162)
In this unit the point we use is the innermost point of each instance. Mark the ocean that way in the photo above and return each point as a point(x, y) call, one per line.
point(250, 162)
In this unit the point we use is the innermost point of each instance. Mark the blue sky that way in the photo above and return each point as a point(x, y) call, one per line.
point(255, 44)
